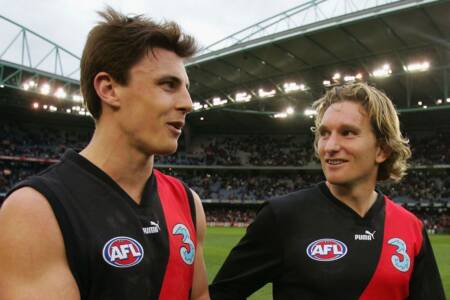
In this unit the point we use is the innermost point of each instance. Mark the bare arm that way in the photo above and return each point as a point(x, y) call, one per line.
point(200, 284)
point(33, 263)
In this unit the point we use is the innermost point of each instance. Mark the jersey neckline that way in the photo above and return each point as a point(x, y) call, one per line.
point(148, 195)
point(376, 207)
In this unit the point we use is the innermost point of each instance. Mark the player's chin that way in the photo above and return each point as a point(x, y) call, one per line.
point(167, 149)
point(336, 180)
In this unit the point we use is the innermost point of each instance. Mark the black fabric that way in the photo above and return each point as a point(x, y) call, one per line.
point(274, 249)
point(425, 280)
point(91, 208)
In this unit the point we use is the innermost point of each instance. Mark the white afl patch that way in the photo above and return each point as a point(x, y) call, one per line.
point(123, 252)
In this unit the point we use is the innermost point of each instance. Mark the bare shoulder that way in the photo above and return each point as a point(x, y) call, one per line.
point(24, 201)
point(34, 258)
point(200, 213)
point(27, 213)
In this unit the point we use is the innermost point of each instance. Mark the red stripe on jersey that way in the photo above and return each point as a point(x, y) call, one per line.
point(393, 272)
point(178, 278)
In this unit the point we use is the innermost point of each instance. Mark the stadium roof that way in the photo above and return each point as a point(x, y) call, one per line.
point(392, 35)
point(284, 61)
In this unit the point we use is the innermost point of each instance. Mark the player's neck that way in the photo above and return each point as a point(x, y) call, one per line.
point(359, 198)
point(127, 166)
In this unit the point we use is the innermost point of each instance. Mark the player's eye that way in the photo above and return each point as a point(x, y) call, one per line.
point(169, 84)
point(323, 133)
point(348, 132)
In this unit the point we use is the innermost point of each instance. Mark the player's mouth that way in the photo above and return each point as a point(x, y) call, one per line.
point(335, 162)
point(176, 126)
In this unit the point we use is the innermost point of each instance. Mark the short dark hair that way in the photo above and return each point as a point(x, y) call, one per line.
point(119, 42)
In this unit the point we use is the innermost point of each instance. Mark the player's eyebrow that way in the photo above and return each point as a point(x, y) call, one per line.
point(350, 127)
point(342, 126)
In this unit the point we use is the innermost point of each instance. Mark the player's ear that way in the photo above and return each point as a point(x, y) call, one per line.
point(383, 152)
point(105, 86)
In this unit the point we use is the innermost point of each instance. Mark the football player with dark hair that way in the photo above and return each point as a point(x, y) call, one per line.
point(103, 223)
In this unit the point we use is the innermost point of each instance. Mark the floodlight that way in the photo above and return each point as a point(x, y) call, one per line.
point(310, 112)
point(45, 89)
point(197, 105)
point(266, 94)
point(289, 87)
point(336, 76)
point(384, 71)
point(217, 101)
point(280, 115)
point(60, 93)
point(348, 78)
point(418, 67)
point(77, 98)
point(243, 97)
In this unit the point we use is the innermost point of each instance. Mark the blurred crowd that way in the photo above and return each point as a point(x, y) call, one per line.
point(424, 188)
point(18, 139)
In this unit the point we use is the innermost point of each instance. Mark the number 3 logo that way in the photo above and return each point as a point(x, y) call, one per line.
point(400, 263)
point(187, 255)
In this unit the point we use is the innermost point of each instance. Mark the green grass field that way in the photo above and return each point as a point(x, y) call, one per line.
point(219, 242)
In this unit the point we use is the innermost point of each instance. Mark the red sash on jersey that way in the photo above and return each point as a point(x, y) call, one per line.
point(179, 274)
point(392, 275)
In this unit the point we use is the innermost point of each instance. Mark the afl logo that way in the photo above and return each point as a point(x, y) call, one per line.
point(326, 250)
point(123, 252)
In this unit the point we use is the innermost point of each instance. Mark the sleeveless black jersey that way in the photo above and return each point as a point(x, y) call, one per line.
point(116, 248)
point(312, 246)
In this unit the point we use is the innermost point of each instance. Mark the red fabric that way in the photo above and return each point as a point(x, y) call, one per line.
point(177, 281)
point(388, 282)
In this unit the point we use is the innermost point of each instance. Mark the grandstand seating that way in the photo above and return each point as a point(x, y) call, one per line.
point(264, 167)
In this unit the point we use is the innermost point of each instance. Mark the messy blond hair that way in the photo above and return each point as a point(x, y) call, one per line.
point(383, 118)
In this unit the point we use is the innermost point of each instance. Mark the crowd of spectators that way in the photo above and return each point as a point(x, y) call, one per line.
point(246, 191)
point(421, 188)
point(230, 215)
point(245, 186)
point(31, 140)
